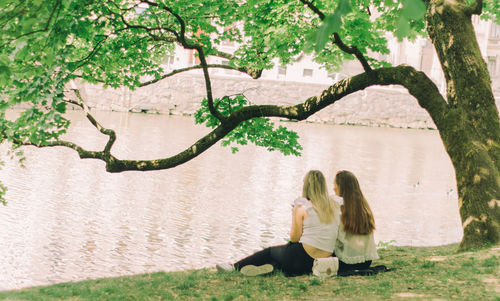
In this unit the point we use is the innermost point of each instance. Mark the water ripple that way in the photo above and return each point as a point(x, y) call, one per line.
point(69, 220)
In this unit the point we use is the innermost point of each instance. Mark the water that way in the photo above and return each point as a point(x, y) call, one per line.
point(69, 220)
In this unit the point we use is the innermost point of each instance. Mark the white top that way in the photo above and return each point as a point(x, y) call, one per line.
point(316, 234)
point(354, 248)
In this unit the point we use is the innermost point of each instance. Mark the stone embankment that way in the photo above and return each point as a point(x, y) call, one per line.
point(181, 95)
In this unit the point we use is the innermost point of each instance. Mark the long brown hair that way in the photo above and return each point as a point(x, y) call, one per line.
point(315, 190)
point(357, 216)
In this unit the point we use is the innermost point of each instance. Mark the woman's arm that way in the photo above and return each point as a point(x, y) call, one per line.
point(299, 213)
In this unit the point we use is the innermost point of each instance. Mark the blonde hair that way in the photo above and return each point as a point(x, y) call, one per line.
point(315, 190)
point(357, 217)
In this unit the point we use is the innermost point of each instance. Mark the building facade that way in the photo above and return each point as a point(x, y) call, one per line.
point(419, 53)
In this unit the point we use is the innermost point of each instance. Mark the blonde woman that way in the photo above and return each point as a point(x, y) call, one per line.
point(315, 224)
point(355, 246)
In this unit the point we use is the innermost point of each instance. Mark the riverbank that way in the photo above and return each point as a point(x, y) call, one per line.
point(377, 106)
point(437, 273)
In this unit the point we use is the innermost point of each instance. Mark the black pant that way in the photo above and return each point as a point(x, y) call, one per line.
point(291, 258)
point(343, 267)
point(355, 266)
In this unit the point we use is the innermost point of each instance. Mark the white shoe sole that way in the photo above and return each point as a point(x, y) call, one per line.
point(254, 270)
point(223, 268)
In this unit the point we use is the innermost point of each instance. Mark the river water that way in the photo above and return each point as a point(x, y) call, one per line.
point(68, 219)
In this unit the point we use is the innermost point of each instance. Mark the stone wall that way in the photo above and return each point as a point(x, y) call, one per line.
point(181, 94)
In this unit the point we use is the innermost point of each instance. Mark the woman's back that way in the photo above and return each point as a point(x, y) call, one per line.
point(322, 236)
point(355, 248)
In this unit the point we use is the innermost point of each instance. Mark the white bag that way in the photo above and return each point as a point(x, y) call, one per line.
point(325, 267)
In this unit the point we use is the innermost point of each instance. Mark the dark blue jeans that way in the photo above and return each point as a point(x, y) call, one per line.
point(291, 258)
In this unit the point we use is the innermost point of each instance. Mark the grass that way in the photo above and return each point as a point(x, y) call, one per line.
point(420, 273)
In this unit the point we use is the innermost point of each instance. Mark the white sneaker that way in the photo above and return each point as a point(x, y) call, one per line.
point(255, 270)
point(224, 267)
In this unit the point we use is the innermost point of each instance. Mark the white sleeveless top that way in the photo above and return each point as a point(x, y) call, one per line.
point(316, 234)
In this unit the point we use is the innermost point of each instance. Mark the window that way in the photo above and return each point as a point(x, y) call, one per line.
point(307, 73)
point(495, 31)
point(229, 31)
point(193, 58)
point(492, 65)
point(337, 76)
point(170, 60)
point(281, 71)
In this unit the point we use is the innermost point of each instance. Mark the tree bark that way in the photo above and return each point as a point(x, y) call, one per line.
point(470, 127)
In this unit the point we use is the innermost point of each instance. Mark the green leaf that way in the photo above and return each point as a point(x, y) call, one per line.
point(27, 25)
point(61, 107)
point(5, 75)
point(49, 58)
point(3, 105)
point(334, 22)
point(413, 9)
point(4, 70)
point(3, 190)
point(259, 131)
point(330, 25)
point(344, 7)
point(403, 27)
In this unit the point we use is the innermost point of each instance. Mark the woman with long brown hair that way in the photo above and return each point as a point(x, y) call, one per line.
point(355, 246)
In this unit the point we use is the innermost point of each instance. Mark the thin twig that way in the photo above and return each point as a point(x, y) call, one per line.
point(176, 71)
point(109, 132)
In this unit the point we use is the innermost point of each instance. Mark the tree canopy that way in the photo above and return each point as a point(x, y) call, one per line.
point(46, 45)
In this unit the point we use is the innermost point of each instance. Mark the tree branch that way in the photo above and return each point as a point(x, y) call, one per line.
point(58, 2)
point(92, 52)
point(84, 154)
point(148, 30)
point(417, 83)
point(176, 71)
point(475, 8)
point(9, 15)
point(254, 73)
point(109, 132)
point(181, 37)
point(208, 86)
point(314, 9)
point(338, 41)
point(352, 50)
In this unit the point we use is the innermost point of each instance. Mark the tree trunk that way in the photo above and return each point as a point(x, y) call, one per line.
point(478, 183)
point(470, 129)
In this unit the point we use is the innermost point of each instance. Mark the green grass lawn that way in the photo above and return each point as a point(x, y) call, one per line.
point(425, 273)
